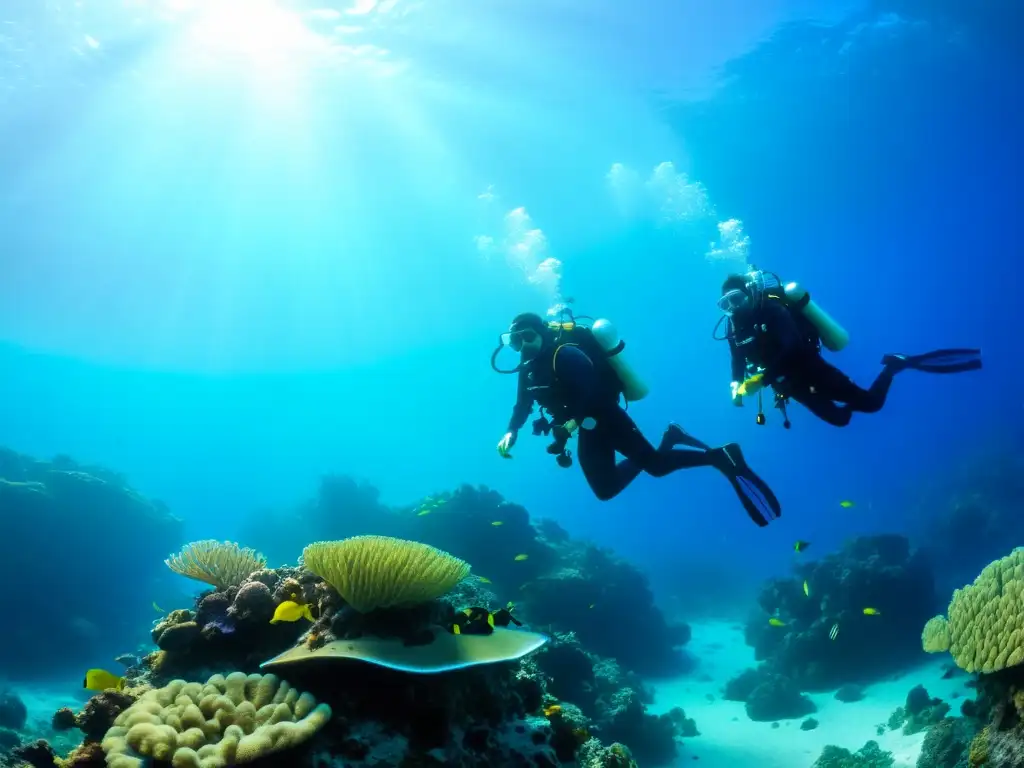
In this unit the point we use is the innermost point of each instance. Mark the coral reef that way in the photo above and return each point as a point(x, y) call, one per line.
point(868, 756)
point(99, 516)
point(559, 584)
point(13, 712)
point(824, 637)
point(920, 712)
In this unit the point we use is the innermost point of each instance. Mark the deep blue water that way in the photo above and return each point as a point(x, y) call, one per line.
point(229, 269)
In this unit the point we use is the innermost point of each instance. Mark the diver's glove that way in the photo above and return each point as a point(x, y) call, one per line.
point(505, 445)
point(737, 398)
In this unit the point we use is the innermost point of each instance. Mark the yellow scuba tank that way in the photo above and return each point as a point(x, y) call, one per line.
point(633, 388)
point(833, 335)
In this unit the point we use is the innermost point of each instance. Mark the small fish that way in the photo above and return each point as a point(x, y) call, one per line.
point(846, 504)
point(807, 590)
point(101, 680)
point(424, 512)
point(552, 710)
point(484, 580)
point(520, 558)
point(157, 608)
point(800, 545)
point(289, 610)
point(833, 632)
point(496, 523)
point(592, 605)
point(776, 622)
point(872, 612)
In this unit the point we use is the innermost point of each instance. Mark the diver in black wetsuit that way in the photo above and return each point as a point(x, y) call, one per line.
point(577, 375)
point(775, 335)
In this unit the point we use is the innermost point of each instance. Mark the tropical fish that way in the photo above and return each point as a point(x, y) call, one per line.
point(800, 546)
point(520, 558)
point(424, 512)
point(592, 605)
point(484, 580)
point(552, 710)
point(845, 504)
point(832, 633)
point(872, 612)
point(776, 622)
point(101, 680)
point(496, 523)
point(289, 610)
point(807, 590)
point(480, 621)
point(157, 608)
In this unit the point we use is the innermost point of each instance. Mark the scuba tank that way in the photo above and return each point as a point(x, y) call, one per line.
point(833, 335)
point(633, 387)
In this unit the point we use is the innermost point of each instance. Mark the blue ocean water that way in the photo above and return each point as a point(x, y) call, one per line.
point(247, 244)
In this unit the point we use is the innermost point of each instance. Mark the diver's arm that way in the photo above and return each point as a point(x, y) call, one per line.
point(739, 371)
point(523, 407)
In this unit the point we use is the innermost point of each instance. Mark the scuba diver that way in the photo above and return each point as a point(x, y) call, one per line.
point(576, 374)
point(775, 335)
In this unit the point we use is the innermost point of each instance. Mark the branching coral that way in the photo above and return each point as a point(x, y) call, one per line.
point(372, 572)
point(220, 564)
point(228, 721)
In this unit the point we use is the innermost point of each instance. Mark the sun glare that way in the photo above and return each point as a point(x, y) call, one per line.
point(258, 30)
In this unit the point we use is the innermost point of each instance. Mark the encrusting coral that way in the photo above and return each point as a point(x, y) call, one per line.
point(228, 721)
point(985, 628)
point(220, 564)
point(371, 572)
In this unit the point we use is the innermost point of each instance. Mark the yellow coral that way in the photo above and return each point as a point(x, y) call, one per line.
point(228, 721)
point(935, 637)
point(977, 756)
point(220, 564)
point(986, 623)
point(380, 572)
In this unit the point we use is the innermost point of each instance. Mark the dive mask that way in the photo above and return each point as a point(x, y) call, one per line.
point(733, 301)
point(514, 340)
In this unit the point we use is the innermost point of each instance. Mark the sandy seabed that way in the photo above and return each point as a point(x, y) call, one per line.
point(729, 739)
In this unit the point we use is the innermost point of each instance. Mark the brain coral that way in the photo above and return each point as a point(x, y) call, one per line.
point(986, 619)
point(228, 721)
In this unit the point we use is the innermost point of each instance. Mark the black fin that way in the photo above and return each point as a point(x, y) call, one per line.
point(939, 361)
point(757, 498)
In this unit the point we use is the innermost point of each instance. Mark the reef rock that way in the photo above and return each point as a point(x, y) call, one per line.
point(112, 542)
point(827, 639)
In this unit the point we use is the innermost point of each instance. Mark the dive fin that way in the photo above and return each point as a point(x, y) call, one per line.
point(676, 435)
point(939, 361)
point(757, 498)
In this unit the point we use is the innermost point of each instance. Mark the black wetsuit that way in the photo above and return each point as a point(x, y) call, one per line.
point(787, 345)
point(594, 392)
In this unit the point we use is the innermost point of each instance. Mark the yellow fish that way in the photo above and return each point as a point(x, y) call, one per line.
point(157, 608)
point(872, 612)
point(807, 590)
point(845, 504)
point(552, 710)
point(101, 680)
point(776, 622)
point(496, 523)
point(289, 610)
point(520, 558)
point(800, 546)
point(484, 580)
point(424, 512)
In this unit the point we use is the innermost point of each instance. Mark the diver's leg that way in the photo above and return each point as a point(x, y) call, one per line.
point(595, 452)
point(833, 384)
point(819, 405)
point(658, 462)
